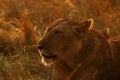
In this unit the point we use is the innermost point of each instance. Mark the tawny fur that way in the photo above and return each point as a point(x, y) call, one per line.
point(76, 44)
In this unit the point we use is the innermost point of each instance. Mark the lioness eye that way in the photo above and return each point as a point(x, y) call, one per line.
point(57, 32)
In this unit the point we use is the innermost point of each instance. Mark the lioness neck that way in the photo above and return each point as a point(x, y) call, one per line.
point(96, 58)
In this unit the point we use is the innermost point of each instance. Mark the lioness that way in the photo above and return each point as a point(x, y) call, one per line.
point(78, 52)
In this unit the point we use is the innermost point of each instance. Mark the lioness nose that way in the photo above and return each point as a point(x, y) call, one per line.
point(40, 46)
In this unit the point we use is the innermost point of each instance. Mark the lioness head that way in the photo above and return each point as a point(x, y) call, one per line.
point(62, 40)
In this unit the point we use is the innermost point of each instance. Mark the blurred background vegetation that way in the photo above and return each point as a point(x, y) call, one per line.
point(22, 22)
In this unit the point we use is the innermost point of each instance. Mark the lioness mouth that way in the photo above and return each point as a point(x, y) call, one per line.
point(48, 58)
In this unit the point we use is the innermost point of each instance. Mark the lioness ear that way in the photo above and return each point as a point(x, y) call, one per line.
point(84, 26)
point(87, 24)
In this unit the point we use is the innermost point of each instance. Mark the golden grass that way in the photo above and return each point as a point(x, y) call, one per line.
point(23, 21)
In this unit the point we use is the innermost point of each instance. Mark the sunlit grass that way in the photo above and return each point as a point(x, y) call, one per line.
point(22, 66)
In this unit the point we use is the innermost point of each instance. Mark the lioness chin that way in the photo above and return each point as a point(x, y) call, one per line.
point(78, 52)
